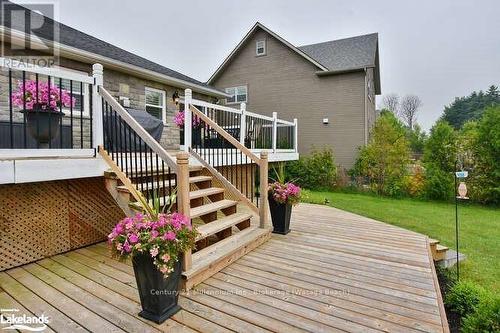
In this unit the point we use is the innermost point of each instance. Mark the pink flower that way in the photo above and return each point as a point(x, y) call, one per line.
point(126, 247)
point(165, 257)
point(47, 97)
point(154, 234)
point(133, 238)
point(169, 236)
point(154, 251)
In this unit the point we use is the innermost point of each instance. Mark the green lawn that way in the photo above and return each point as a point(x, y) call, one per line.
point(479, 227)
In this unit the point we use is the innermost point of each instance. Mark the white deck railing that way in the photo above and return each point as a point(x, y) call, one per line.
point(255, 131)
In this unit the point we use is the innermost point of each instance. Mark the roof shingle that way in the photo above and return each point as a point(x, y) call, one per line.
point(344, 54)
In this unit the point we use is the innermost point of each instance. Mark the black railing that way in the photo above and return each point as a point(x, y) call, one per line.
point(228, 160)
point(41, 111)
point(150, 174)
point(259, 133)
point(285, 136)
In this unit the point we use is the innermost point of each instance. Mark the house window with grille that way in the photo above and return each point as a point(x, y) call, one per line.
point(155, 103)
point(238, 95)
point(260, 47)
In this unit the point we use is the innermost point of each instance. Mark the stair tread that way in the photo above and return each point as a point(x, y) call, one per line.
point(214, 227)
point(149, 171)
point(433, 241)
point(151, 185)
point(211, 207)
point(440, 248)
point(205, 192)
point(214, 253)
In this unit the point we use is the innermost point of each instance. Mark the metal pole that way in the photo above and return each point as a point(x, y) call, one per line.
point(456, 223)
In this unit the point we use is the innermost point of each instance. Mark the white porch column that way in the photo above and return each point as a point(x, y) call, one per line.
point(243, 122)
point(97, 121)
point(188, 119)
point(275, 129)
point(295, 134)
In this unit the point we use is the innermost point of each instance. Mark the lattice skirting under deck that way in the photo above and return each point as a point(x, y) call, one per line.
point(42, 219)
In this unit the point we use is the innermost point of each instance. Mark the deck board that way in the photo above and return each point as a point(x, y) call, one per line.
point(335, 272)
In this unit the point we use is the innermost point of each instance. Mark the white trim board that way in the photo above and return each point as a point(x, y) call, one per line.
point(18, 154)
point(39, 170)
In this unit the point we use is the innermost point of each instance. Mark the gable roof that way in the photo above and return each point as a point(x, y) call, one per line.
point(76, 39)
point(332, 57)
point(255, 27)
point(343, 54)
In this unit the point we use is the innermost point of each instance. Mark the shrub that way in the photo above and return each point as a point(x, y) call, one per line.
point(415, 182)
point(464, 297)
point(439, 185)
point(315, 171)
point(384, 160)
point(485, 319)
point(441, 147)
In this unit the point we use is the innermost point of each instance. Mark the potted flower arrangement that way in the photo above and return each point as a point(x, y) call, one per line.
point(156, 245)
point(282, 196)
point(42, 108)
point(196, 127)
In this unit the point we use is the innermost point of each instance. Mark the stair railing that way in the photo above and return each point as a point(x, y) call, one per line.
point(214, 141)
point(133, 153)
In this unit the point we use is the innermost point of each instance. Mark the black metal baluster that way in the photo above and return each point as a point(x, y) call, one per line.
point(37, 111)
point(140, 167)
point(71, 110)
point(163, 182)
point(24, 109)
point(81, 115)
point(153, 171)
point(120, 137)
point(10, 111)
point(62, 117)
point(91, 114)
point(50, 112)
point(158, 181)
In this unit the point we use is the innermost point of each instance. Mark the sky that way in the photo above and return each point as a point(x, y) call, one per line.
point(434, 49)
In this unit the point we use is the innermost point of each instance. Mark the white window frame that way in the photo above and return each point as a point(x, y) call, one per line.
point(84, 94)
point(164, 102)
point(264, 46)
point(236, 94)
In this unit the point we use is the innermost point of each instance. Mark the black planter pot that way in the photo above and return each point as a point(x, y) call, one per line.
point(280, 216)
point(43, 124)
point(158, 295)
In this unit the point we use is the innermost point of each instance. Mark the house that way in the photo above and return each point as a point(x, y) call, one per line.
point(329, 87)
point(74, 163)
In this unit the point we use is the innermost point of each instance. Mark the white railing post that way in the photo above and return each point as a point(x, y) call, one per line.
point(188, 119)
point(295, 133)
point(97, 121)
point(275, 129)
point(243, 122)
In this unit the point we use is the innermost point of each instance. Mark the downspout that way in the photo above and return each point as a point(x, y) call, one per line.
point(366, 111)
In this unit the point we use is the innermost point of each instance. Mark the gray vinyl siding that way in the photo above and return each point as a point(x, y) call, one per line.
point(284, 82)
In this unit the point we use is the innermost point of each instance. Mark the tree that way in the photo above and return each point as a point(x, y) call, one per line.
point(385, 159)
point(416, 138)
point(471, 107)
point(391, 103)
point(409, 108)
point(488, 155)
point(440, 154)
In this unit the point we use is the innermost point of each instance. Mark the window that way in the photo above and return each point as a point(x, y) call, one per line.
point(260, 47)
point(238, 94)
point(155, 103)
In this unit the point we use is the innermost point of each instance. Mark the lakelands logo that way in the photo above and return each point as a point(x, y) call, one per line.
point(22, 322)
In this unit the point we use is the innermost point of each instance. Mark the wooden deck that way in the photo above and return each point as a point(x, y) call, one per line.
point(335, 271)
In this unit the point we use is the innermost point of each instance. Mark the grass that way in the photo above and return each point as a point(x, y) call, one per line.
point(479, 227)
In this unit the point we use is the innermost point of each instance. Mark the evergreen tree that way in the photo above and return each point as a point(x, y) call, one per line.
point(471, 107)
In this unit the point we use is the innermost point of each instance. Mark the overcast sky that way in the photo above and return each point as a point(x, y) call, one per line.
point(435, 49)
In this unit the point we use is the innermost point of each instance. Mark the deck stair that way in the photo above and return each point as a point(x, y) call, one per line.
point(224, 233)
point(438, 250)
